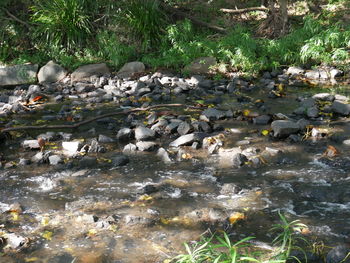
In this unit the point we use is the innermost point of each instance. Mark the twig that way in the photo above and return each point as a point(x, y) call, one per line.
point(78, 124)
point(243, 10)
point(17, 19)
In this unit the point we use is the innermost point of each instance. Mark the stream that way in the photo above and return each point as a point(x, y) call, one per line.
point(145, 210)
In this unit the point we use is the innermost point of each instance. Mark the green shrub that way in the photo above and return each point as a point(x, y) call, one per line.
point(112, 50)
point(62, 23)
point(146, 21)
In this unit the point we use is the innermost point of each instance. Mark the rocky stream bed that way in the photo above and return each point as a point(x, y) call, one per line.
point(133, 187)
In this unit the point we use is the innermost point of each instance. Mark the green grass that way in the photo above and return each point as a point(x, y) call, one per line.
point(221, 249)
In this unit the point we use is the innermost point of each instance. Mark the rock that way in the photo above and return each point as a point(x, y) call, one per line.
point(163, 154)
point(120, 160)
point(183, 128)
point(262, 120)
point(313, 74)
point(146, 146)
point(230, 189)
point(95, 147)
point(31, 144)
point(51, 72)
point(130, 148)
point(92, 257)
point(143, 133)
point(84, 73)
point(71, 147)
point(341, 97)
point(239, 160)
point(212, 114)
point(205, 84)
point(309, 102)
point(284, 128)
point(335, 73)
point(187, 139)
point(303, 124)
point(125, 134)
point(104, 139)
point(24, 162)
point(55, 159)
point(130, 68)
point(346, 142)
point(18, 74)
point(341, 108)
point(149, 189)
point(338, 254)
point(41, 157)
point(312, 112)
point(295, 71)
point(87, 161)
point(201, 65)
point(324, 97)
point(14, 241)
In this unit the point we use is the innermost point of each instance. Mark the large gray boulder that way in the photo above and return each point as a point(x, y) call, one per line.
point(284, 128)
point(85, 72)
point(51, 72)
point(201, 65)
point(18, 74)
point(130, 68)
point(144, 134)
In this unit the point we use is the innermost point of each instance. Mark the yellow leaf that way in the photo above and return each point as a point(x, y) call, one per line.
point(113, 228)
point(186, 156)
point(47, 235)
point(15, 216)
point(32, 259)
point(45, 221)
point(92, 232)
point(164, 221)
point(265, 132)
point(236, 217)
point(145, 198)
point(246, 112)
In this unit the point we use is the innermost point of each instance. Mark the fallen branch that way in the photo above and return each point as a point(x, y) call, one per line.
point(243, 10)
point(17, 19)
point(78, 124)
point(194, 20)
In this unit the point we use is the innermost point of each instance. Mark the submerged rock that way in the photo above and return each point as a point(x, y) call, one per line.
point(120, 160)
point(338, 254)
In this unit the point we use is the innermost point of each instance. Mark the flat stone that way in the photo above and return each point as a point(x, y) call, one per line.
point(341, 108)
point(51, 72)
point(131, 68)
point(183, 128)
point(187, 139)
point(18, 74)
point(143, 133)
point(146, 146)
point(323, 97)
point(31, 144)
point(85, 72)
point(284, 128)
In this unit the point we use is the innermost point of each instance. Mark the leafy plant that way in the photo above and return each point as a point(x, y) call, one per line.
point(146, 21)
point(62, 23)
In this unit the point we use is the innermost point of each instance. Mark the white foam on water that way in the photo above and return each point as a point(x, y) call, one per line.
point(175, 193)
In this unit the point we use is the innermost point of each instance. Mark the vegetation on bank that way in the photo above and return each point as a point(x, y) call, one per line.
point(75, 32)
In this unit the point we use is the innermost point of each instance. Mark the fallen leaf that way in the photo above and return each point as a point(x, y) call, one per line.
point(15, 215)
point(236, 217)
point(45, 221)
point(186, 156)
point(246, 112)
point(265, 132)
point(331, 151)
point(37, 98)
point(145, 198)
point(47, 235)
point(32, 259)
point(92, 232)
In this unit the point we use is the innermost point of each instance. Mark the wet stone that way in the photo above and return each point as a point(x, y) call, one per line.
point(104, 139)
point(125, 134)
point(187, 139)
point(283, 128)
point(55, 159)
point(31, 144)
point(130, 148)
point(88, 161)
point(341, 108)
point(146, 146)
point(312, 112)
point(143, 133)
point(338, 254)
point(262, 120)
point(324, 97)
point(212, 114)
point(61, 258)
point(239, 160)
point(163, 154)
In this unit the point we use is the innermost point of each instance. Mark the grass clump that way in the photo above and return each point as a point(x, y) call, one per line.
point(218, 249)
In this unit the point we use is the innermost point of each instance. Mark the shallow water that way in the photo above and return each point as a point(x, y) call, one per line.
point(296, 182)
